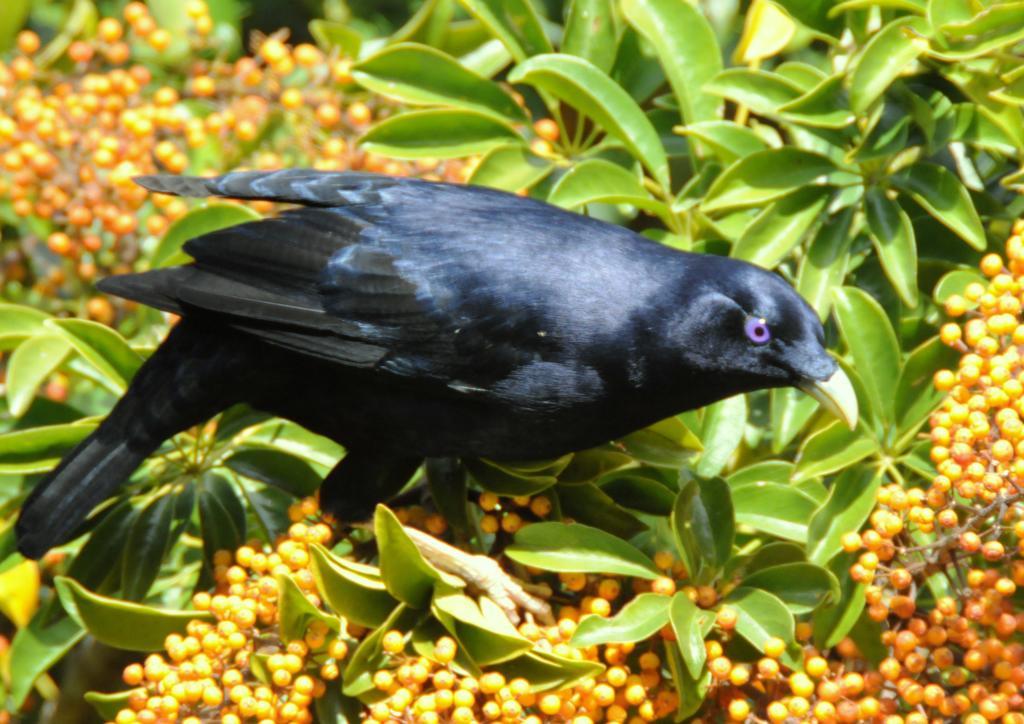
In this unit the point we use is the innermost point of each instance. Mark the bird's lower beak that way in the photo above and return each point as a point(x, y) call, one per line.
point(836, 395)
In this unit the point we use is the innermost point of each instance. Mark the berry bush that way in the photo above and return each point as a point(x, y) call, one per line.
point(753, 561)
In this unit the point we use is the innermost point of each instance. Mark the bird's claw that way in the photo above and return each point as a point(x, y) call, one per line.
point(510, 595)
point(486, 576)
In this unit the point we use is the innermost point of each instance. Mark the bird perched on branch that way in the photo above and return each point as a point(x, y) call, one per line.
point(408, 320)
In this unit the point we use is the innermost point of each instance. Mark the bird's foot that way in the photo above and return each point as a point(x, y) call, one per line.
point(485, 575)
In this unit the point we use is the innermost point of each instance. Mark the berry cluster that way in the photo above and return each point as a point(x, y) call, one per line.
point(236, 667)
point(71, 140)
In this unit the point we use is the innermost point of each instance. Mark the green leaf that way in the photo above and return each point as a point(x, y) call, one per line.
point(103, 348)
point(884, 58)
point(121, 624)
point(438, 133)
point(832, 448)
point(686, 45)
point(145, 546)
point(770, 471)
point(219, 527)
point(296, 613)
point(803, 587)
point(278, 468)
point(420, 75)
point(12, 19)
point(704, 524)
point(823, 106)
point(638, 491)
point(38, 449)
point(511, 168)
point(195, 223)
point(824, 266)
point(514, 23)
point(760, 91)
point(28, 367)
point(768, 175)
point(639, 619)
point(590, 505)
point(790, 410)
point(586, 88)
point(996, 26)
point(668, 443)
point(588, 465)
point(834, 621)
point(722, 433)
point(578, 548)
point(406, 574)
point(331, 35)
point(892, 235)
point(849, 503)
point(37, 647)
point(776, 553)
point(350, 589)
point(916, 396)
point(727, 139)
point(781, 226)
point(18, 322)
point(504, 479)
point(590, 32)
point(942, 195)
point(482, 629)
point(92, 564)
point(691, 625)
point(779, 510)
point(692, 690)
point(872, 344)
point(369, 656)
point(546, 671)
point(108, 705)
point(597, 180)
point(760, 616)
point(955, 282)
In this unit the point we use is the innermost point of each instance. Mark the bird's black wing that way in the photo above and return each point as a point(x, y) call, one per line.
point(385, 273)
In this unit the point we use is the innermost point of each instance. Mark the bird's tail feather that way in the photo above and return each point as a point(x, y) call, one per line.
point(187, 380)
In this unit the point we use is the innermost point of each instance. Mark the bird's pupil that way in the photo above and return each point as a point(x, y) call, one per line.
point(757, 330)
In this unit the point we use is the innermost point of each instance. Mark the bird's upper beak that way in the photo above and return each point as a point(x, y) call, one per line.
point(835, 394)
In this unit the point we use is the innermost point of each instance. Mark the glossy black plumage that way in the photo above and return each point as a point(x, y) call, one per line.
point(409, 319)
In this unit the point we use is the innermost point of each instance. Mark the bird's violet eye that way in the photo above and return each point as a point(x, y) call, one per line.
point(757, 330)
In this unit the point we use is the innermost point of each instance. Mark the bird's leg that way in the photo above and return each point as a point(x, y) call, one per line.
point(485, 575)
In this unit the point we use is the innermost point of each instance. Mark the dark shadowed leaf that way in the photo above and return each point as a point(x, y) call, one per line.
point(638, 490)
point(916, 396)
point(275, 467)
point(893, 237)
point(704, 525)
point(824, 266)
point(801, 586)
point(145, 547)
point(591, 505)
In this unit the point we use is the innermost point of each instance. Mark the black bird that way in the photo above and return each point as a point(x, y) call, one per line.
point(409, 320)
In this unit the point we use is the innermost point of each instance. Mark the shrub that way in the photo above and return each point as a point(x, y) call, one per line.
point(751, 561)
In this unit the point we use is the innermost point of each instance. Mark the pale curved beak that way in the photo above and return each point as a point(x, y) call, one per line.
point(836, 395)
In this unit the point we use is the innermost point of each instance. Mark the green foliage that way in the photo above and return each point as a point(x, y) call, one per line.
point(869, 167)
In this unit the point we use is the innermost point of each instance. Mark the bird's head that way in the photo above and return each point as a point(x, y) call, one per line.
point(749, 324)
